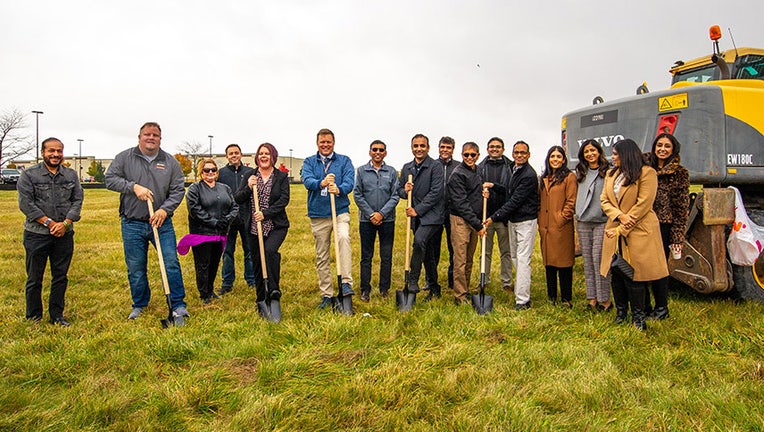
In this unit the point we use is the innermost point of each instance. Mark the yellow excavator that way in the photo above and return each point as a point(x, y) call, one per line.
point(715, 108)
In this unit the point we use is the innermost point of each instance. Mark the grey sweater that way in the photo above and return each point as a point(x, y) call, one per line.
point(588, 207)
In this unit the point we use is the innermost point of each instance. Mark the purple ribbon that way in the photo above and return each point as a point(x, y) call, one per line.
point(189, 240)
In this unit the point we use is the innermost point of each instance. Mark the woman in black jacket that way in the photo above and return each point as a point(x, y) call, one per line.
point(211, 208)
point(273, 194)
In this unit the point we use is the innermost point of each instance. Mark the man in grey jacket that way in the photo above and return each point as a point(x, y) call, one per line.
point(50, 197)
point(140, 174)
point(376, 195)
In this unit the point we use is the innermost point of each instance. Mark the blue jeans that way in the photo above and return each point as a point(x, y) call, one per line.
point(228, 272)
point(136, 236)
point(368, 232)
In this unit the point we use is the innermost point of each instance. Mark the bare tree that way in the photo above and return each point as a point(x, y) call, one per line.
point(193, 150)
point(13, 141)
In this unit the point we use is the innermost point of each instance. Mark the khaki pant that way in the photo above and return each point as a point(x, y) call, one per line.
point(322, 233)
point(464, 241)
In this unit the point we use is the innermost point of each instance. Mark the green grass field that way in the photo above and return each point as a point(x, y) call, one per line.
point(439, 367)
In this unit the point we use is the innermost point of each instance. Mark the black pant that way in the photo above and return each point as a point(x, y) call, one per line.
point(368, 232)
point(39, 249)
point(424, 253)
point(271, 243)
point(206, 261)
point(661, 286)
point(566, 283)
point(436, 242)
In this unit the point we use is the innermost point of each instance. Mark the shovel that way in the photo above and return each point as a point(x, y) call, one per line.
point(342, 303)
point(480, 302)
point(270, 308)
point(171, 319)
point(404, 298)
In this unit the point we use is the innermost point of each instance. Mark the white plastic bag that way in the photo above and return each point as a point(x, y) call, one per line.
point(746, 238)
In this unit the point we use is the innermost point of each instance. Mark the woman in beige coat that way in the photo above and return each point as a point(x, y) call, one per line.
point(557, 191)
point(627, 200)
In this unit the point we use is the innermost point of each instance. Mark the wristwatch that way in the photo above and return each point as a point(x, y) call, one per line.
point(47, 222)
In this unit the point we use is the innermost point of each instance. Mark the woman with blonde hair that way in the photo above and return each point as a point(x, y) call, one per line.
point(211, 208)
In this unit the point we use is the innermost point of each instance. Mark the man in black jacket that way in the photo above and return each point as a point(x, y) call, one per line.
point(447, 163)
point(495, 170)
point(465, 202)
point(232, 175)
point(427, 208)
point(521, 210)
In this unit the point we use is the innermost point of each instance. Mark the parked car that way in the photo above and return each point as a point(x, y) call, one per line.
point(9, 175)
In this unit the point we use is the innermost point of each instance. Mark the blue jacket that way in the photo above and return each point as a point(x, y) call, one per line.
point(312, 175)
point(376, 191)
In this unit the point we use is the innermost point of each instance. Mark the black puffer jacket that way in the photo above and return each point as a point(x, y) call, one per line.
point(210, 209)
point(522, 197)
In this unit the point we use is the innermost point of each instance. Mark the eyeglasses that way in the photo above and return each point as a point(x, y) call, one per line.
point(520, 153)
point(210, 170)
point(469, 155)
point(378, 150)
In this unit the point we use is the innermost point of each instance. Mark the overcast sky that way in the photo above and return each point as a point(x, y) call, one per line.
point(248, 72)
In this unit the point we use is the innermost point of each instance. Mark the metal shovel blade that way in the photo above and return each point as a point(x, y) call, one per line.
point(343, 304)
point(172, 319)
point(404, 299)
point(482, 303)
point(270, 310)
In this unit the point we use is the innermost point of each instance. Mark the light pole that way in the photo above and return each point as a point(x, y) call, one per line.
point(37, 135)
point(291, 174)
point(210, 136)
point(80, 140)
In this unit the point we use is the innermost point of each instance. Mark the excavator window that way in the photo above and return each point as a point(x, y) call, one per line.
point(751, 67)
point(699, 75)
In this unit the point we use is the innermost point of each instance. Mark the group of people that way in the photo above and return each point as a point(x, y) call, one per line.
point(616, 207)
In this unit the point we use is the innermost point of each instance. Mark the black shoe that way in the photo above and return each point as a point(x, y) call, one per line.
point(522, 306)
point(413, 287)
point(432, 295)
point(601, 308)
point(566, 304)
point(659, 313)
point(214, 296)
point(60, 321)
point(206, 300)
point(225, 290)
point(365, 296)
point(36, 318)
point(275, 294)
point(325, 302)
point(384, 293)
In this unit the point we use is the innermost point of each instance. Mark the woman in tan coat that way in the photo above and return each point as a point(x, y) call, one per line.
point(557, 191)
point(627, 200)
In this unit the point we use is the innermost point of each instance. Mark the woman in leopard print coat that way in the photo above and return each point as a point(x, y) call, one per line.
point(671, 206)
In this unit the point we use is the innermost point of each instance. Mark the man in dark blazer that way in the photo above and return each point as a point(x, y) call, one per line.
point(427, 208)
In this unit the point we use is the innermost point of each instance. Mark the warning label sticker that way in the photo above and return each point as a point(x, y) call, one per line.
point(673, 102)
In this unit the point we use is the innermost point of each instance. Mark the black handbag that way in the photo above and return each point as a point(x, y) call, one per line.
point(620, 265)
